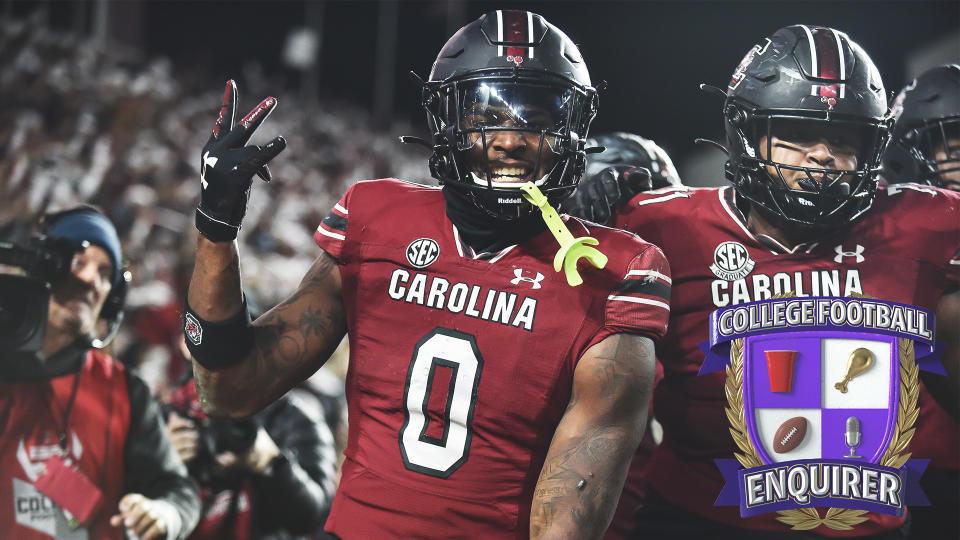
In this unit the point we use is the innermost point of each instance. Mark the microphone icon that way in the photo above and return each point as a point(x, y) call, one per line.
point(853, 436)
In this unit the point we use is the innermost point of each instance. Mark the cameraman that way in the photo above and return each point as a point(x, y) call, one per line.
point(268, 476)
point(83, 452)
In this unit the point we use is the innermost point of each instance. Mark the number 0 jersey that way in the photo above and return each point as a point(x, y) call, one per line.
point(461, 364)
point(904, 250)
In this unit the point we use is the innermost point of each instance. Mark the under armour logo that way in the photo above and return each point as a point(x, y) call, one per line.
point(207, 162)
point(519, 273)
point(841, 253)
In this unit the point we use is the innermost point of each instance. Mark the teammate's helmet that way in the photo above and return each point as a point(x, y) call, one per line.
point(927, 113)
point(803, 74)
point(497, 69)
point(629, 150)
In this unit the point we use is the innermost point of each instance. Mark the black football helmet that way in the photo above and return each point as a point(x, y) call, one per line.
point(624, 150)
point(820, 79)
point(927, 113)
point(509, 67)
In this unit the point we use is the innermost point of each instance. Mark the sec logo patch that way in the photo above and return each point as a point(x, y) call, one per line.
point(422, 252)
point(731, 261)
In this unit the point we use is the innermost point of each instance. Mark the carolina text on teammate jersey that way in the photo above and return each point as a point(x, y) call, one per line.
point(762, 286)
point(496, 306)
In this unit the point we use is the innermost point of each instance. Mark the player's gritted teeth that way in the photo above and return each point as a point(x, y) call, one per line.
point(507, 174)
point(510, 174)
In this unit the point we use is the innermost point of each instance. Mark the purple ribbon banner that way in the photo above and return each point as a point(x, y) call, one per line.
point(822, 314)
point(817, 483)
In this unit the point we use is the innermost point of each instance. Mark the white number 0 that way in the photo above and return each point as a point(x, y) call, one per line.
point(440, 456)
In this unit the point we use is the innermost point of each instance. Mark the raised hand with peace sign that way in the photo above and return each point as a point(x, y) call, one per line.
point(227, 166)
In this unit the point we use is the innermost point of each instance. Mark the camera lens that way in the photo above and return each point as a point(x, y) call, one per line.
point(23, 313)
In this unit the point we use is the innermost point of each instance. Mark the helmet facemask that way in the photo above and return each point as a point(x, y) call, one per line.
point(796, 195)
point(496, 130)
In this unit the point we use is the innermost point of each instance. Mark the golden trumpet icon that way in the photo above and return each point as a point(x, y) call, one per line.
point(860, 361)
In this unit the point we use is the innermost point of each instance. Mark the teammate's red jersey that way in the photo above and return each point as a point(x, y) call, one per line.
point(461, 364)
point(904, 250)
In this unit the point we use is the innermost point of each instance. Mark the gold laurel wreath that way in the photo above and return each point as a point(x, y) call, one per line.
point(841, 519)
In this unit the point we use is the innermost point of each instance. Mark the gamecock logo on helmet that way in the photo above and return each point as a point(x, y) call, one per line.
point(740, 72)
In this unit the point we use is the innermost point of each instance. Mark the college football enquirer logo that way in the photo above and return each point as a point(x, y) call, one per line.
point(822, 400)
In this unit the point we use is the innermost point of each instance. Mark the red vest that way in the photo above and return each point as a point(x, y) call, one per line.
point(31, 419)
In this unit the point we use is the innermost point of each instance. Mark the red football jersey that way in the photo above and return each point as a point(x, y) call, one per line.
point(904, 250)
point(461, 364)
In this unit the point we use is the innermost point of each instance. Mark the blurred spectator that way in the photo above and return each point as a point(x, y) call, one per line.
point(84, 451)
point(118, 130)
point(268, 476)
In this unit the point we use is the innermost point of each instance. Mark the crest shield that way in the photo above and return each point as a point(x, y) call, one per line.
point(794, 375)
point(822, 397)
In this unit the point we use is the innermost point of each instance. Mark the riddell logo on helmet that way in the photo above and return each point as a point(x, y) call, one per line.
point(517, 60)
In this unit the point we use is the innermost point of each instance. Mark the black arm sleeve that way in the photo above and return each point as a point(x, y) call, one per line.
point(296, 493)
point(151, 465)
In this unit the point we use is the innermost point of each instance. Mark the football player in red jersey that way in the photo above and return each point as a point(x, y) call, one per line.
point(628, 165)
point(806, 121)
point(488, 398)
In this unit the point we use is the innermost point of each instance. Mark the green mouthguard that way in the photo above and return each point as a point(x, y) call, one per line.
point(571, 249)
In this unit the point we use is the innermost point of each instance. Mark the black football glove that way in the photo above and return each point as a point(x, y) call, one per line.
point(227, 167)
point(598, 195)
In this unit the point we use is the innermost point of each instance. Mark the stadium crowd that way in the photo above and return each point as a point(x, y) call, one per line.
point(120, 131)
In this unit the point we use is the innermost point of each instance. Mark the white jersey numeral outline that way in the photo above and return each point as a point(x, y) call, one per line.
point(457, 351)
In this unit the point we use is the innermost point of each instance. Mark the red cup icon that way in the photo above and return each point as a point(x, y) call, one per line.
point(780, 369)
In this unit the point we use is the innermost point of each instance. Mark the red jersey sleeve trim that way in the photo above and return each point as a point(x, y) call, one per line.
point(640, 302)
point(331, 233)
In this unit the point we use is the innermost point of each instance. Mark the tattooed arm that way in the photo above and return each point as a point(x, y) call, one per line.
point(292, 340)
point(591, 450)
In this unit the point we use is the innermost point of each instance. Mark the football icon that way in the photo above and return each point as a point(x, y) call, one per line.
point(790, 434)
